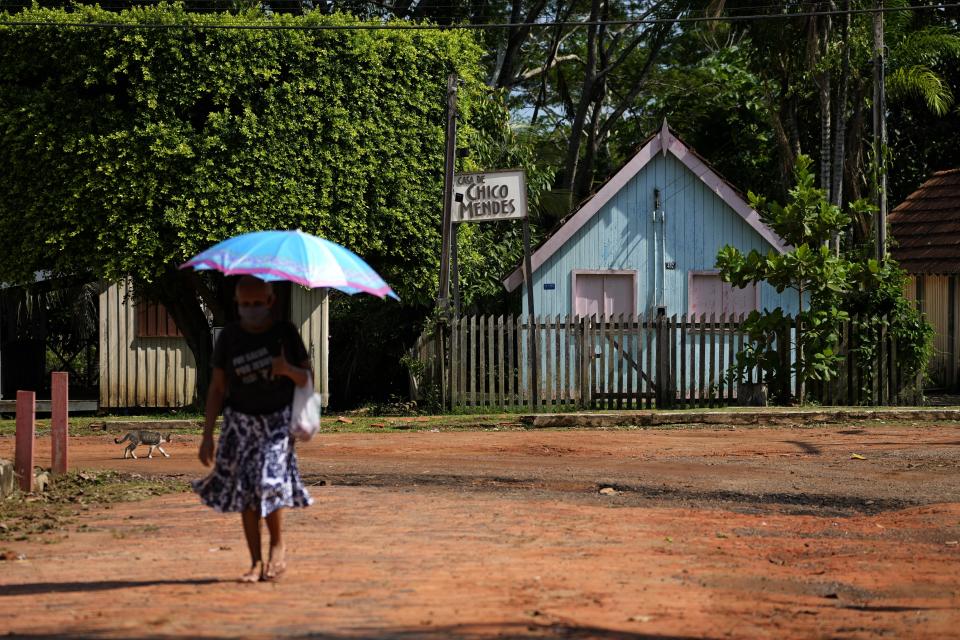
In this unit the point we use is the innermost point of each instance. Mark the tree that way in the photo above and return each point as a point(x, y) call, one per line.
point(816, 274)
point(830, 290)
point(128, 150)
point(823, 65)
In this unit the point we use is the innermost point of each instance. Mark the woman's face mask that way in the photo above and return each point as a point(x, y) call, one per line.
point(254, 314)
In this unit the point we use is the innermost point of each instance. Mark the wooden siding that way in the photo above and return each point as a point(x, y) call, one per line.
point(944, 367)
point(139, 372)
point(623, 236)
point(309, 309)
point(161, 372)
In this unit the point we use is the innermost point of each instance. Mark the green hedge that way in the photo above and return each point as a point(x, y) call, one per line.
point(125, 150)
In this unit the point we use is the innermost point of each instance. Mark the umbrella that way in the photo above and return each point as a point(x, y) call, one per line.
point(295, 256)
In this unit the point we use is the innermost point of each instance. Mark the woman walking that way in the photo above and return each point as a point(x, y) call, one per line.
point(256, 365)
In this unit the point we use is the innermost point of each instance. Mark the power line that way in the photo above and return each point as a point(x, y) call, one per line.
point(394, 26)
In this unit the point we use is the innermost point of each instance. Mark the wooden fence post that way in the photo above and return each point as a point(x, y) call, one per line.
point(59, 411)
point(660, 379)
point(26, 416)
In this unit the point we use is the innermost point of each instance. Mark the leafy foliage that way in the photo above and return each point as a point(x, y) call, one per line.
point(129, 150)
point(877, 305)
point(831, 288)
point(810, 268)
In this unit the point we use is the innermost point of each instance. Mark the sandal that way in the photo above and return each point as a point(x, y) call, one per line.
point(253, 575)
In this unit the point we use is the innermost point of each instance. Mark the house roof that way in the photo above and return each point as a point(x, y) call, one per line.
point(926, 226)
point(662, 142)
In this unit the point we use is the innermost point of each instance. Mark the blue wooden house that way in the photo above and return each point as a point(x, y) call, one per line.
point(647, 243)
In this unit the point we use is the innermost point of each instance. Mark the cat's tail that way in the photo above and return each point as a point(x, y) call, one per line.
point(123, 439)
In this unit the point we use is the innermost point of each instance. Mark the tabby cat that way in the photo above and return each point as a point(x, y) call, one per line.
point(150, 438)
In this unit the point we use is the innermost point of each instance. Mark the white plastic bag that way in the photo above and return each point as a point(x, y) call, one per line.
point(305, 421)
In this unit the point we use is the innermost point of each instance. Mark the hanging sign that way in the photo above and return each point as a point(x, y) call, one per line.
point(490, 195)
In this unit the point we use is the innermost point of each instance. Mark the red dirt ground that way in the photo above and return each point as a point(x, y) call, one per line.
point(770, 533)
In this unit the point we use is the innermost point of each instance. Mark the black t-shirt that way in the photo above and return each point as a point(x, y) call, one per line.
point(247, 359)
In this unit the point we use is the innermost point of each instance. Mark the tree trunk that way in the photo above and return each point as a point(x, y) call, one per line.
point(584, 179)
point(572, 161)
point(840, 127)
point(819, 48)
point(826, 108)
point(856, 138)
point(505, 74)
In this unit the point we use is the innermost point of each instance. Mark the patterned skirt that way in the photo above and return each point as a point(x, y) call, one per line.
point(256, 466)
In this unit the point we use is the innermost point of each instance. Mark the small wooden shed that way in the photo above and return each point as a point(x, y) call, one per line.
point(647, 243)
point(926, 232)
point(145, 362)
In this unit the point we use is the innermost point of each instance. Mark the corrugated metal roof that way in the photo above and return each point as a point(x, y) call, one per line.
point(926, 226)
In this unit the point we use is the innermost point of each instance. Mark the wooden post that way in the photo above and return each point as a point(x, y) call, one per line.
point(632, 363)
point(712, 365)
point(672, 372)
point(59, 394)
point(455, 268)
point(23, 462)
point(660, 379)
point(448, 169)
point(682, 381)
point(568, 369)
point(528, 277)
point(548, 372)
point(557, 361)
point(532, 383)
point(482, 360)
point(590, 357)
point(502, 370)
point(731, 355)
point(952, 369)
point(462, 354)
point(701, 365)
point(512, 379)
point(473, 361)
point(721, 365)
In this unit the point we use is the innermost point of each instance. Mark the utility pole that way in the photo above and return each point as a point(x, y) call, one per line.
point(879, 131)
point(443, 300)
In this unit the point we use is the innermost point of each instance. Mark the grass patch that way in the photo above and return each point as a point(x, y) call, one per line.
point(23, 516)
point(93, 425)
point(333, 423)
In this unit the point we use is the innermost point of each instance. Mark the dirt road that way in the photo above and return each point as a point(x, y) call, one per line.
point(709, 533)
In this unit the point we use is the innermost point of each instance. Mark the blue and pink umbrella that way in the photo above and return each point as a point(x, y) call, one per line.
point(295, 256)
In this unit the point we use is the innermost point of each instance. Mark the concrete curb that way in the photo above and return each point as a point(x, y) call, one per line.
point(663, 418)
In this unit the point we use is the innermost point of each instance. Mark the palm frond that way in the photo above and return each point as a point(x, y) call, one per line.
point(929, 46)
point(923, 82)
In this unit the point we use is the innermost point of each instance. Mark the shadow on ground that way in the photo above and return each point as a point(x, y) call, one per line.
point(509, 631)
point(40, 588)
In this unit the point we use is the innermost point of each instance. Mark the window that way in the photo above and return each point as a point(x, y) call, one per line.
point(153, 321)
point(604, 293)
point(707, 294)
